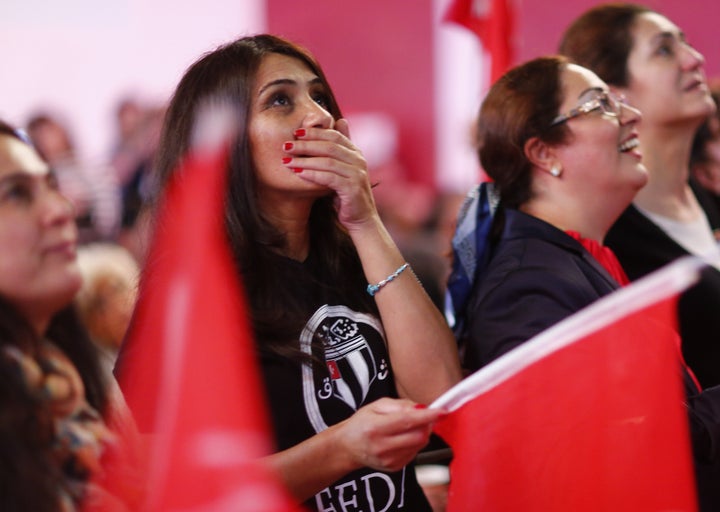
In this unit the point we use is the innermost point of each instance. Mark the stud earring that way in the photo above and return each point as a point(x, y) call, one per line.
point(555, 171)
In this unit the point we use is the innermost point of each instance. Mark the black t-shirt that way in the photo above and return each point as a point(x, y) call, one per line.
point(350, 368)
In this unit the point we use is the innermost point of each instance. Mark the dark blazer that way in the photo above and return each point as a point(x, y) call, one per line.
point(642, 247)
point(537, 276)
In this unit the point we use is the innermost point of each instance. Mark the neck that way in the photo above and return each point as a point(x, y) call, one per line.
point(38, 322)
point(291, 218)
point(565, 218)
point(666, 154)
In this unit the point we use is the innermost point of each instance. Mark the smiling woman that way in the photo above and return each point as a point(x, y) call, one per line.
point(562, 152)
point(52, 435)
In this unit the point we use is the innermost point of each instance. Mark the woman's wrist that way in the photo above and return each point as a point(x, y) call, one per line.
point(344, 458)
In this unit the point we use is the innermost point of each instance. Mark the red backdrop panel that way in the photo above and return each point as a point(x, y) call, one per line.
point(378, 56)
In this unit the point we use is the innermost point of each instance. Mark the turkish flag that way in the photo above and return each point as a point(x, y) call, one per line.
point(188, 368)
point(493, 21)
point(588, 415)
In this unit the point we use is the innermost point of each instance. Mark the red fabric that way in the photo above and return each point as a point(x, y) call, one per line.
point(193, 375)
point(493, 21)
point(604, 256)
point(597, 425)
point(609, 261)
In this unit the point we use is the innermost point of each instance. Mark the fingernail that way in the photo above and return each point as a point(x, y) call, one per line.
point(420, 406)
point(300, 132)
point(286, 159)
point(288, 146)
point(297, 169)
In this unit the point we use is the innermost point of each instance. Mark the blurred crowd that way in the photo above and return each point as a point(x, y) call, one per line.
point(109, 199)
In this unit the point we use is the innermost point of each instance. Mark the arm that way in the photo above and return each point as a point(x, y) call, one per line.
point(384, 435)
point(422, 348)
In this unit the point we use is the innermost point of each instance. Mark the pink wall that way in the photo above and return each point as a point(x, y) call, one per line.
point(541, 24)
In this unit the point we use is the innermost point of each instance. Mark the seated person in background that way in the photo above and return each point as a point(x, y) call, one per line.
point(705, 154)
point(106, 300)
point(92, 189)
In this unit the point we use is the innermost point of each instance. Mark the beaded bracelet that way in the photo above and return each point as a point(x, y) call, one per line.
point(372, 289)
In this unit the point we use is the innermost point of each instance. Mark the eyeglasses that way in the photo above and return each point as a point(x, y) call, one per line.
point(609, 103)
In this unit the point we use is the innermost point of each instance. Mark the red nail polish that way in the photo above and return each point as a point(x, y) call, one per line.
point(420, 406)
point(297, 169)
point(286, 160)
point(288, 146)
point(300, 132)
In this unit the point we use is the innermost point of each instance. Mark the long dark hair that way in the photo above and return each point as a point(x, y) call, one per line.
point(29, 477)
point(228, 73)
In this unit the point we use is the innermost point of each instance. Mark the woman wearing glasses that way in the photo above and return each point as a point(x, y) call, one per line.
point(562, 151)
point(564, 156)
point(645, 56)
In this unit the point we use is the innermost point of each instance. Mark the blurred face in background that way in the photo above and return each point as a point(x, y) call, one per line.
point(667, 78)
point(708, 171)
point(38, 237)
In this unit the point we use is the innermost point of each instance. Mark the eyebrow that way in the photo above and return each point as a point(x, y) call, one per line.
point(287, 81)
point(591, 89)
point(669, 35)
point(14, 176)
point(21, 176)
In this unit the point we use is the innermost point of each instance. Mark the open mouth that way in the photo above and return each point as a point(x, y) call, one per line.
point(629, 144)
point(695, 84)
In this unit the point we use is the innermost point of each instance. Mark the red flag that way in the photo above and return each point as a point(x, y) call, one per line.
point(189, 372)
point(587, 416)
point(493, 21)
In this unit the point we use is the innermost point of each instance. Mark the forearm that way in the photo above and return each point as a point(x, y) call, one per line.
point(422, 349)
point(309, 467)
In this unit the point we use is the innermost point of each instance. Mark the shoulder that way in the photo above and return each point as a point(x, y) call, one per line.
point(532, 249)
point(531, 283)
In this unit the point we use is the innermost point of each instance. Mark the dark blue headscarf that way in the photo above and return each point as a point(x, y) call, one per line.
point(471, 250)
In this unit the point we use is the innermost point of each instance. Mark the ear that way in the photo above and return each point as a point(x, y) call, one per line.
point(540, 154)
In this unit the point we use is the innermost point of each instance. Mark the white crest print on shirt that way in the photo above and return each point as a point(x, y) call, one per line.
point(351, 364)
point(356, 372)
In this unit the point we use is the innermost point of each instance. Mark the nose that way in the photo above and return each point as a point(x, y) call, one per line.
point(59, 209)
point(316, 116)
point(629, 114)
point(691, 58)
